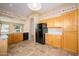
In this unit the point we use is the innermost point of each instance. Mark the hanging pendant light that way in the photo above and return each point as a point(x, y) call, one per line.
point(34, 6)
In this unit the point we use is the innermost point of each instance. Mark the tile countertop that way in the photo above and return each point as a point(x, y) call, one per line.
point(2, 37)
point(55, 32)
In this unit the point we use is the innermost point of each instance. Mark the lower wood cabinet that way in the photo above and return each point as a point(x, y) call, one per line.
point(15, 37)
point(3, 47)
point(70, 41)
point(78, 46)
point(53, 40)
point(10, 38)
point(67, 42)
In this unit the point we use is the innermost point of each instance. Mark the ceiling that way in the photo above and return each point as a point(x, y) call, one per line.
point(21, 9)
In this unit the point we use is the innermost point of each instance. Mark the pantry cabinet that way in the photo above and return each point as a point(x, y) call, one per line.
point(70, 41)
point(70, 21)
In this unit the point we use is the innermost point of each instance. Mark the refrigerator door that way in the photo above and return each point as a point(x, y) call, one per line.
point(40, 33)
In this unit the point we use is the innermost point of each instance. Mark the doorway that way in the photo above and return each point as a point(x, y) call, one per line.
point(32, 29)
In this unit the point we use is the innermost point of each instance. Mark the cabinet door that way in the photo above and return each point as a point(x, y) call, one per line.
point(59, 21)
point(15, 38)
point(48, 39)
point(70, 41)
point(20, 36)
point(56, 22)
point(43, 21)
point(70, 21)
point(51, 22)
point(78, 31)
point(54, 40)
point(3, 47)
point(10, 38)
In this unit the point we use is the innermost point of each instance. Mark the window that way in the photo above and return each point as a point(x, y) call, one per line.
point(17, 28)
point(4, 29)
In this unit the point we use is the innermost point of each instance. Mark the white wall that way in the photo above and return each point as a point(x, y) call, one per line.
point(27, 25)
point(11, 20)
point(27, 22)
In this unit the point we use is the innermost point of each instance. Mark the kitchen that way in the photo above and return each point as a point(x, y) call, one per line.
point(61, 23)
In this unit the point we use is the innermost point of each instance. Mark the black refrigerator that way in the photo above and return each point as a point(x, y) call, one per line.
point(41, 29)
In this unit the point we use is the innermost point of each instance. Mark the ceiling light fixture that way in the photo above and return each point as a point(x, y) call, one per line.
point(34, 6)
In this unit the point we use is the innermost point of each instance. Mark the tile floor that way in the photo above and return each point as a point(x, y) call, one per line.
point(29, 48)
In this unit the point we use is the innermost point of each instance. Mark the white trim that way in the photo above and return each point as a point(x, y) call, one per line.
point(58, 12)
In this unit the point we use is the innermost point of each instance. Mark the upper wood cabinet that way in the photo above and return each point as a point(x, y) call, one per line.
point(59, 21)
point(70, 21)
point(43, 21)
point(50, 23)
point(55, 22)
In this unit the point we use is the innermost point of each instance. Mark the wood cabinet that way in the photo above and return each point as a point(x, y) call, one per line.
point(70, 41)
point(15, 37)
point(53, 40)
point(20, 37)
point(3, 47)
point(10, 38)
point(70, 21)
point(50, 23)
point(43, 21)
point(55, 22)
point(78, 30)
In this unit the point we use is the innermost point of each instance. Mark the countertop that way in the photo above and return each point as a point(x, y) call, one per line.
point(2, 37)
